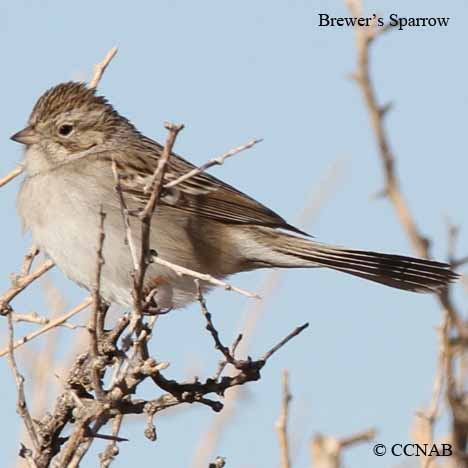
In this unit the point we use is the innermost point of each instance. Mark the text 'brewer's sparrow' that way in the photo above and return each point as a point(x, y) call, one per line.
point(72, 138)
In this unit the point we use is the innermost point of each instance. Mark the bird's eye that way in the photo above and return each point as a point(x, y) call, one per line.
point(65, 129)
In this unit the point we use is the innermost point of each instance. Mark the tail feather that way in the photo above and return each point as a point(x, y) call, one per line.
point(398, 271)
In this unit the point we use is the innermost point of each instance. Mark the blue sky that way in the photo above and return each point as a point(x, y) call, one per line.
point(231, 71)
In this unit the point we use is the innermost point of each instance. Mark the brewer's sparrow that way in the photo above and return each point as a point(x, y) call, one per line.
point(203, 224)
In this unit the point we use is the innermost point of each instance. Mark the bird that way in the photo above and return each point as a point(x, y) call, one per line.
point(75, 141)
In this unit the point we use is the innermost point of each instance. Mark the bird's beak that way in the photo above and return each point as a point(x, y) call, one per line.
point(27, 136)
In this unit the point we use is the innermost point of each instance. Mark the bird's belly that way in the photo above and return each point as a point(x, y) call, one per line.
point(66, 228)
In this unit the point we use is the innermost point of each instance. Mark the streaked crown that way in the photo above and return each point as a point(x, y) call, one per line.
point(67, 97)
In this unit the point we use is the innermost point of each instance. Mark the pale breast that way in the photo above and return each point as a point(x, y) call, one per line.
point(62, 213)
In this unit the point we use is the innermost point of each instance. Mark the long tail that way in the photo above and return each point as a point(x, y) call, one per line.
point(397, 271)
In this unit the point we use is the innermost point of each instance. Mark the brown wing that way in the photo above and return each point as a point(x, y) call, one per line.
point(202, 194)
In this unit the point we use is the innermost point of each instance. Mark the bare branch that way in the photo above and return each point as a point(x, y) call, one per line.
point(424, 427)
point(95, 322)
point(100, 67)
point(364, 436)
point(125, 216)
point(154, 189)
point(182, 271)
point(21, 282)
point(275, 348)
point(211, 328)
point(112, 450)
point(32, 317)
point(376, 115)
point(321, 193)
point(13, 174)
point(457, 263)
point(248, 371)
point(28, 260)
point(21, 407)
point(418, 241)
point(326, 451)
point(84, 406)
point(282, 423)
point(52, 324)
point(212, 162)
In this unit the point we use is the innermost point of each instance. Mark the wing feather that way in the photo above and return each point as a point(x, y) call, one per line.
point(202, 194)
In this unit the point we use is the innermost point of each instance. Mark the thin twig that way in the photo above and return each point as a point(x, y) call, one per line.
point(69, 456)
point(22, 407)
point(275, 348)
point(22, 282)
point(100, 68)
point(377, 114)
point(418, 241)
point(32, 317)
point(212, 162)
point(28, 260)
point(11, 175)
point(78, 447)
point(94, 322)
point(457, 263)
point(364, 436)
point(182, 271)
point(431, 415)
point(210, 327)
point(282, 423)
point(111, 449)
point(154, 189)
point(326, 451)
point(125, 216)
point(52, 324)
point(321, 193)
